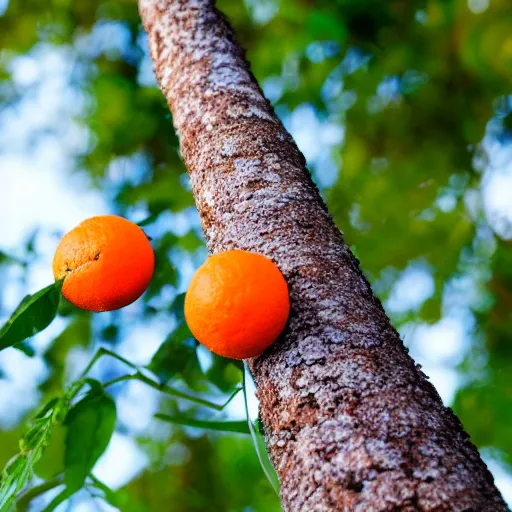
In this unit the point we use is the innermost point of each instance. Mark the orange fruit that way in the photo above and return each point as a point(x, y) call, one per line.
point(237, 304)
point(107, 262)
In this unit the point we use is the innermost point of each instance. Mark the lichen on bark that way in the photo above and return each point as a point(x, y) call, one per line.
point(352, 424)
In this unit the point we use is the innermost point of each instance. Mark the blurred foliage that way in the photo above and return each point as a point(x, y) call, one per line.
point(421, 91)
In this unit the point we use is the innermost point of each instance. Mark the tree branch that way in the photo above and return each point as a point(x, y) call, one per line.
point(351, 422)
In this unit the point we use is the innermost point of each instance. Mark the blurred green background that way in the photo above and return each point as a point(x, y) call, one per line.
point(403, 109)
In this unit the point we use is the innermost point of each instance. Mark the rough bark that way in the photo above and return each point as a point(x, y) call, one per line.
point(352, 424)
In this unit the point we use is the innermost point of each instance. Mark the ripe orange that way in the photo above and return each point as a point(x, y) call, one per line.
point(237, 304)
point(107, 263)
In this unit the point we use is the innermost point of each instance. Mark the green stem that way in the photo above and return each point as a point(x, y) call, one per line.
point(239, 427)
point(24, 500)
point(109, 495)
point(122, 378)
point(105, 352)
point(99, 484)
point(176, 393)
point(259, 444)
point(60, 498)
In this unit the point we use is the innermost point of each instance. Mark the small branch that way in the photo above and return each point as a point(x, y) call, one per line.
point(176, 393)
point(105, 352)
point(24, 500)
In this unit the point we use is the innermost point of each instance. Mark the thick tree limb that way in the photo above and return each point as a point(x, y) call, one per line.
point(352, 424)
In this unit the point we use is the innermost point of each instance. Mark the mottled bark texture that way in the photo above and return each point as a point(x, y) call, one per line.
point(351, 422)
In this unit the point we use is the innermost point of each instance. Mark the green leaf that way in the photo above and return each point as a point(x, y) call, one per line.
point(240, 427)
point(7, 258)
point(24, 347)
point(49, 406)
point(110, 333)
point(224, 373)
point(34, 314)
point(12, 480)
point(190, 241)
point(323, 25)
point(23, 504)
point(165, 272)
point(175, 355)
point(35, 436)
point(90, 425)
point(178, 307)
point(95, 385)
point(120, 499)
point(255, 428)
point(51, 462)
point(20, 468)
point(66, 308)
point(60, 498)
point(149, 220)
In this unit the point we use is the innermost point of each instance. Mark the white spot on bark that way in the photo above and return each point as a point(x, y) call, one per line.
point(208, 197)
